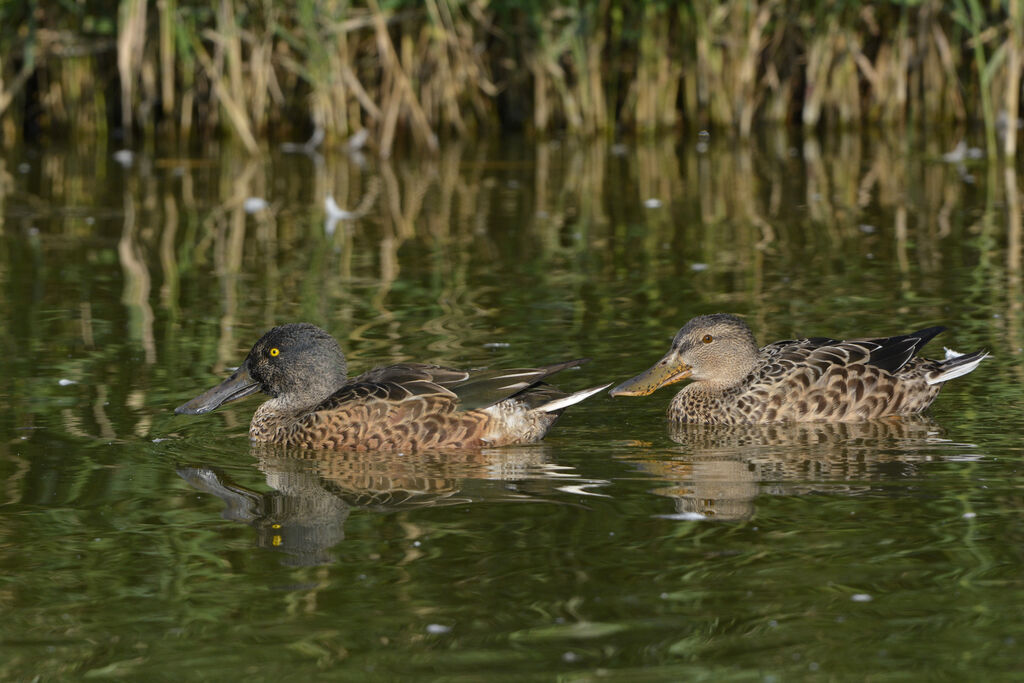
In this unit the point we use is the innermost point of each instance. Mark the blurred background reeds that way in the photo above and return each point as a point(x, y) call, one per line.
point(416, 72)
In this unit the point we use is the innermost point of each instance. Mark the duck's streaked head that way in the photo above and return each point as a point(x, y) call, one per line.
point(718, 348)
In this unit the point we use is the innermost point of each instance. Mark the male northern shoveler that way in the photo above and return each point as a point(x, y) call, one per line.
point(314, 404)
point(797, 380)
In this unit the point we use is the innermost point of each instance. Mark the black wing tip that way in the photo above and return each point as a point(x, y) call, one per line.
point(928, 333)
point(895, 352)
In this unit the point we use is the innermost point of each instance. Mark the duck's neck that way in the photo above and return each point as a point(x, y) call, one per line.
point(270, 418)
point(285, 405)
point(309, 392)
point(733, 378)
point(285, 408)
point(277, 415)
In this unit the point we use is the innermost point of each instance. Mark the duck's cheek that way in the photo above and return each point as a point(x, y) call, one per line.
point(698, 373)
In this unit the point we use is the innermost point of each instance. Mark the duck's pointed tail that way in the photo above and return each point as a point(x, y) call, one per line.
point(572, 399)
point(955, 365)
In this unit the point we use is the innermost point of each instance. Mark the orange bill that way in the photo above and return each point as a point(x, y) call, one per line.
point(668, 370)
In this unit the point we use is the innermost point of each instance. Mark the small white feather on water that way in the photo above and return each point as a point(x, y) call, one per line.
point(254, 204)
point(358, 140)
point(962, 152)
point(334, 211)
point(334, 214)
point(951, 354)
point(125, 157)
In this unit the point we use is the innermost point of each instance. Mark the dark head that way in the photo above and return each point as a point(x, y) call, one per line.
point(719, 349)
point(298, 363)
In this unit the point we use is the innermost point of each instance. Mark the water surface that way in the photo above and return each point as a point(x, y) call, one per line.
point(140, 544)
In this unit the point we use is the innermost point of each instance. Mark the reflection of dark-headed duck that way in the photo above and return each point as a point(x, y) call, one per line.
point(399, 407)
point(817, 379)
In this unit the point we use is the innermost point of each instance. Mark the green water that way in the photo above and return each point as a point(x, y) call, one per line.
point(138, 544)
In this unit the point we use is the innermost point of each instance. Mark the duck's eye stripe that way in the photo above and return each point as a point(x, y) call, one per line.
point(275, 351)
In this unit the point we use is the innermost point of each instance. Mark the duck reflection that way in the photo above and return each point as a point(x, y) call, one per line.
point(719, 470)
point(315, 491)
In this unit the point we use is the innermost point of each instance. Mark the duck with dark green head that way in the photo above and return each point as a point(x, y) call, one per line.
point(314, 404)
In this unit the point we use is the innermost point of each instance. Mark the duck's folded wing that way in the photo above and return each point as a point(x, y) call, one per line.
point(807, 361)
point(396, 383)
point(817, 354)
point(483, 388)
point(468, 389)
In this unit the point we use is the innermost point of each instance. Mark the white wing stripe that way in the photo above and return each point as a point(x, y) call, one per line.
point(571, 399)
point(954, 372)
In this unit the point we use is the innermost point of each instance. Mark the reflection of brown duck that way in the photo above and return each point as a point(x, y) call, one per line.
point(721, 469)
point(410, 406)
point(396, 480)
point(314, 491)
point(817, 379)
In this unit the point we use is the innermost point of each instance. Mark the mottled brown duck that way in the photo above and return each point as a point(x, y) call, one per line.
point(314, 404)
point(815, 379)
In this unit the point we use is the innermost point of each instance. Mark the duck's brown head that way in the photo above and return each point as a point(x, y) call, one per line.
point(719, 349)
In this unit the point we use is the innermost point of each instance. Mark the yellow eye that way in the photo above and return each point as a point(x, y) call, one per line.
point(707, 339)
point(275, 352)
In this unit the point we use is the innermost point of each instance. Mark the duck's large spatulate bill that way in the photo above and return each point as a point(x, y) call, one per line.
point(668, 370)
point(238, 385)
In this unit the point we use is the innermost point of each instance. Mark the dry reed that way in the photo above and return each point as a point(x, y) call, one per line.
point(410, 71)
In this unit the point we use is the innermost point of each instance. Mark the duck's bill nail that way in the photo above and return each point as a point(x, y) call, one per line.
point(239, 385)
point(662, 374)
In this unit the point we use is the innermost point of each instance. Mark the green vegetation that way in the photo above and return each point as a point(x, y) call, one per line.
point(419, 70)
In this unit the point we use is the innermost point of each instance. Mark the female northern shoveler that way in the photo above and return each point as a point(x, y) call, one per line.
point(797, 380)
point(314, 404)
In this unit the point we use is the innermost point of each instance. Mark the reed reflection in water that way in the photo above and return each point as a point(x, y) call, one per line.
point(734, 228)
point(454, 256)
